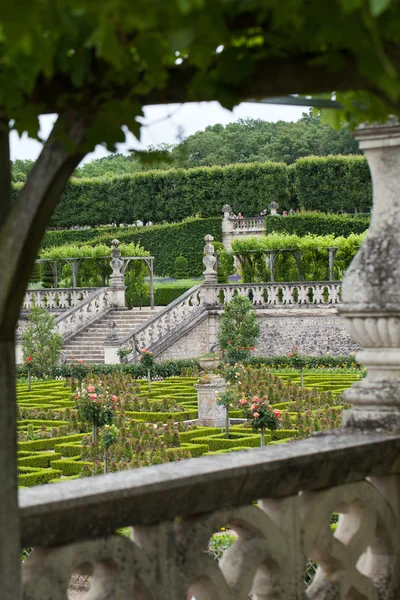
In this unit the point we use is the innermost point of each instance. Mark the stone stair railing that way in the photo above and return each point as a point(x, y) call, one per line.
point(171, 317)
point(56, 298)
point(89, 310)
point(281, 294)
point(71, 526)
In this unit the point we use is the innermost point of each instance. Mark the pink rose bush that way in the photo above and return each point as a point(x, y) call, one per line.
point(260, 414)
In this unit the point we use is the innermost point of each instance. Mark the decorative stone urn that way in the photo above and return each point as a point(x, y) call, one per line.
point(209, 363)
point(371, 289)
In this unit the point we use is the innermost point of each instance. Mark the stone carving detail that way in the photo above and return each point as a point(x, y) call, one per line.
point(276, 294)
point(275, 539)
point(84, 313)
point(174, 315)
point(117, 265)
point(209, 260)
point(61, 298)
point(371, 288)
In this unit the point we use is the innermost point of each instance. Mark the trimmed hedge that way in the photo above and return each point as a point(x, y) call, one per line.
point(333, 183)
point(70, 467)
point(42, 476)
point(40, 460)
point(168, 368)
point(318, 224)
point(311, 362)
point(170, 195)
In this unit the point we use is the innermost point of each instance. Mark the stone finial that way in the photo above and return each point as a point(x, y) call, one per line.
point(112, 332)
point(371, 289)
point(117, 277)
point(273, 207)
point(209, 260)
point(226, 209)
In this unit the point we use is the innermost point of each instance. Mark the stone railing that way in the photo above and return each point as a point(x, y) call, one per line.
point(71, 526)
point(89, 310)
point(56, 298)
point(281, 294)
point(172, 316)
point(256, 223)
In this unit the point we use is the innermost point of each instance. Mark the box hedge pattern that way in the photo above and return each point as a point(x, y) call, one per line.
point(59, 458)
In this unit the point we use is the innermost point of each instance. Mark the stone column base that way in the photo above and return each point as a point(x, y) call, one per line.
point(210, 413)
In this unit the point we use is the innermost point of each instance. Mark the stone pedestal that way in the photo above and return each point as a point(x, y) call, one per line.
point(117, 279)
point(210, 413)
point(111, 345)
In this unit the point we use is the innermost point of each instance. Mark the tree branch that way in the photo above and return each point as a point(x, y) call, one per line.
point(23, 229)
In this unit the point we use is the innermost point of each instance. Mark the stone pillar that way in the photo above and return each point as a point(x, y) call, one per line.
point(117, 279)
point(210, 413)
point(210, 274)
point(371, 289)
point(111, 345)
point(227, 227)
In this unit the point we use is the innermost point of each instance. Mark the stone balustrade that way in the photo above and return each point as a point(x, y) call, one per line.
point(87, 311)
point(71, 526)
point(172, 316)
point(56, 298)
point(254, 223)
point(281, 294)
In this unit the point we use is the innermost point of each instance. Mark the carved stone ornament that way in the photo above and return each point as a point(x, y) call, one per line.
point(117, 277)
point(209, 260)
point(371, 288)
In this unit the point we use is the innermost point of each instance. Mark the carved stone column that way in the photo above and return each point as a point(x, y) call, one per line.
point(371, 289)
point(117, 279)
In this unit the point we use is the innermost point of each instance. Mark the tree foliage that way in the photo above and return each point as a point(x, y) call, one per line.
point(41, 342)
point(239, 330)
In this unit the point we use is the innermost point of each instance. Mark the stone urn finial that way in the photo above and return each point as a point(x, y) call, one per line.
point(117, 276)
point(209, 260)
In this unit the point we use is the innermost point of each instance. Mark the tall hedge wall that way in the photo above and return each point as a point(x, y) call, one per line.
point(333, 183)
point(164, 242)
point(318, 224)
point(329, 184)
point(172, 195)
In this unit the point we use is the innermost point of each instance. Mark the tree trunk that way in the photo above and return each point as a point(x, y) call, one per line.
point(262, 437)
point(227, 423)
point(29, 379)
point(10, 561)
point(301, 378)
point(105, 463)
point(94, 432)
point(148, 380)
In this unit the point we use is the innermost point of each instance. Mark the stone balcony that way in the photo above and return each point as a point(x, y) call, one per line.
point(174, 509)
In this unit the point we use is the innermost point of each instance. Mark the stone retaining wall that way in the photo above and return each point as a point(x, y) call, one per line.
point(315, 331)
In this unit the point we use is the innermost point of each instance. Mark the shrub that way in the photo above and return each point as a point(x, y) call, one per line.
point(166, 294)
point(239, 329)
point(181, 268)
point(41, 344)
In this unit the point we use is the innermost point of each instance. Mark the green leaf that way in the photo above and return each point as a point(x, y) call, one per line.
point(377, 7)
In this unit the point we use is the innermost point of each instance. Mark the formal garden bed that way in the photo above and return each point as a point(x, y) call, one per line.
point(159, 425)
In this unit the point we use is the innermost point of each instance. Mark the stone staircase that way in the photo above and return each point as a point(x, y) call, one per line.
point(88, 345)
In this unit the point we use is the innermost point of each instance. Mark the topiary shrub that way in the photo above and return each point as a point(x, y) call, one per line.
point(181, 268)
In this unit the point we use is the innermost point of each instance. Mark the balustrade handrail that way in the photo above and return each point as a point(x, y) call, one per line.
point(278, 283)
point(159, 315)
point(51, 292)
point(63, 512)
point(70, 315)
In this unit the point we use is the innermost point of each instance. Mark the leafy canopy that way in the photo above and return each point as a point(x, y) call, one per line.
point(107, 59)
